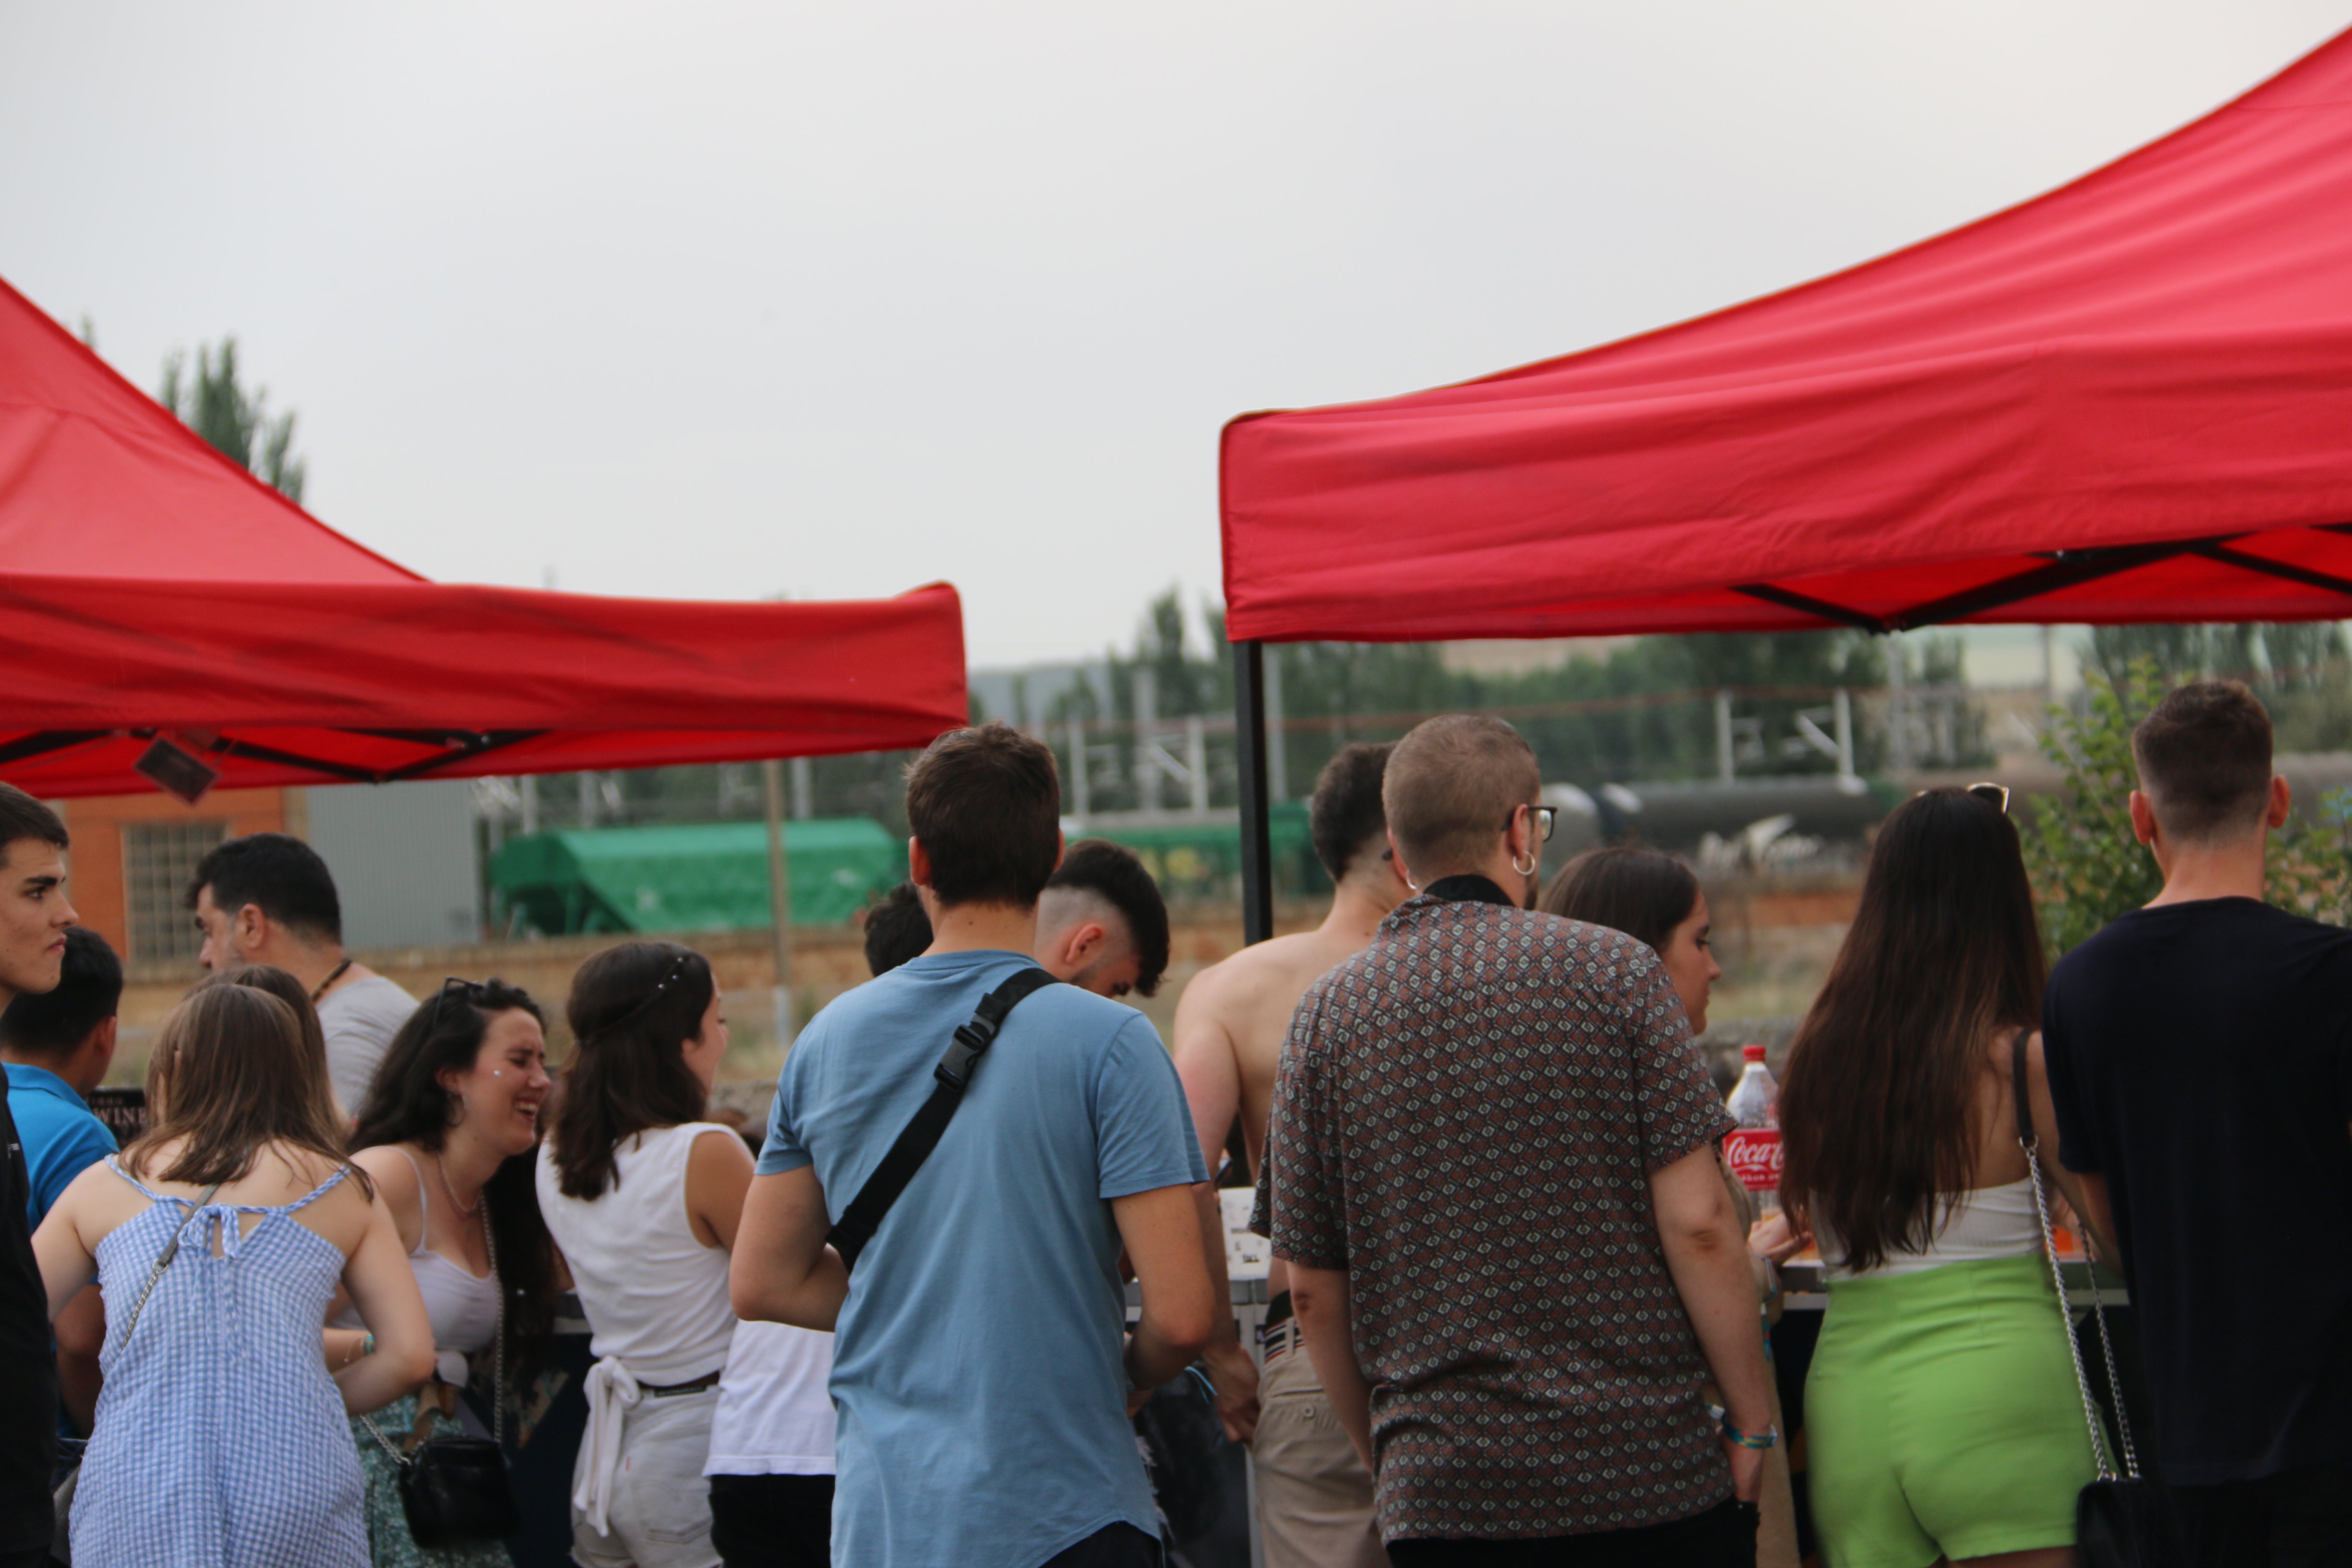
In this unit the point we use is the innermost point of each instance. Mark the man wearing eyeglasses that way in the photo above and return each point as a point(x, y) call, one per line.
point(1493, 1176)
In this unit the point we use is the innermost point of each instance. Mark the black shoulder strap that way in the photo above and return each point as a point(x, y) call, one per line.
point(2017, 1076)
point(866, 1211)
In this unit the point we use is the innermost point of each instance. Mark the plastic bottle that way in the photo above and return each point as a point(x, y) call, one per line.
point(1754, 1148)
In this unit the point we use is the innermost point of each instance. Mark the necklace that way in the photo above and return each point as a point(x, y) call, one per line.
point(332, 976)
point(443, 1166)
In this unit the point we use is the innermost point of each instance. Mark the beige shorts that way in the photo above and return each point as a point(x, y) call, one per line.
point(1314, 1496)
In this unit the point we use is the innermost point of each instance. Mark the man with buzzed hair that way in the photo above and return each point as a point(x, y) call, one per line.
point(1493, 1174)
point(2199, 1054)
point(1314, 1495)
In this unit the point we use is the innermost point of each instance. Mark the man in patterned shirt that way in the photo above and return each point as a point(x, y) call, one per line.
point(1493, 1179)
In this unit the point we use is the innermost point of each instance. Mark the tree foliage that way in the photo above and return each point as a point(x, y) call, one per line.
point(215, 404)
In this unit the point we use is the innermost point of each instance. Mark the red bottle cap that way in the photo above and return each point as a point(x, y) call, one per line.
point(1752, 1053)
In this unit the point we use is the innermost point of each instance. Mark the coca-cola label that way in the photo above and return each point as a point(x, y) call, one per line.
point(1755, 1156)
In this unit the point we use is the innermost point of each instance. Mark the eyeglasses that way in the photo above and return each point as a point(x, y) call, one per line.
point(1542, 815)
point(470, 990)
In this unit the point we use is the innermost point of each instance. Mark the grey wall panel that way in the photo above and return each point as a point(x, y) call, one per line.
point(404, 858)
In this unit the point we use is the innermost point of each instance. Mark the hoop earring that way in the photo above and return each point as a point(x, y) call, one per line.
point(457, 1112)
point(1529, 868)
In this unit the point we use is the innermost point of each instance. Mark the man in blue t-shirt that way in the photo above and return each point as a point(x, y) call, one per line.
point(980, 1376)
point(57, 1046)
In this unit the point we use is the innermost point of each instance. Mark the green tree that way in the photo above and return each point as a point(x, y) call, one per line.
point(216, 404)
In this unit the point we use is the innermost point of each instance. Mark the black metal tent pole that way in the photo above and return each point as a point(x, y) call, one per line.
point(1249, 765)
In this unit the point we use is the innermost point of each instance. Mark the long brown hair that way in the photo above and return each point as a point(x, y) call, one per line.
point(407, 1104)
point(632, 1009)
point(1878, 1102)
point(231, 1074)
point(282, 984)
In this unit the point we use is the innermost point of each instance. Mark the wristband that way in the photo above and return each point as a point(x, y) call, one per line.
point(1768, 1439)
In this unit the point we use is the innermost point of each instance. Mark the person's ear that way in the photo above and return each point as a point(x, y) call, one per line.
point(249, 929)
point(2143, 818)
point(1396, 860)
point(101, 1045)
point(2281, 802)
point(918, 863)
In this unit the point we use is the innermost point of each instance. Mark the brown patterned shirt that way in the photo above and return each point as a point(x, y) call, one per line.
point(1467, 1115)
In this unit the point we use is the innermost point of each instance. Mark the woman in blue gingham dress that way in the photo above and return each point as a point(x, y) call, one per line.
point(220, 1441)
point(234, 1448)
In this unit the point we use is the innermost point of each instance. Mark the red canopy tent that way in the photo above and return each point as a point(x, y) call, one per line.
point(149, 586)
point(2127, 400)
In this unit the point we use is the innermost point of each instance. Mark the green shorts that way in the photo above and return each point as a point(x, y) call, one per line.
point(1941, 1417)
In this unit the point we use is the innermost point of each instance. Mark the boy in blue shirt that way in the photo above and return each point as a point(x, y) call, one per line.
point(57, 1046)
point(980, 1376)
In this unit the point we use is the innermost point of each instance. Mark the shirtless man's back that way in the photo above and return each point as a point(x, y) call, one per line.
point(1315, 1497)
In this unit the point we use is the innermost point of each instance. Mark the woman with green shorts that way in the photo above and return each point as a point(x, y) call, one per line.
point(1941, 1417)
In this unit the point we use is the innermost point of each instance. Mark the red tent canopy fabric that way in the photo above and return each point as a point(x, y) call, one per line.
point(2127, 400)
point(149, 586)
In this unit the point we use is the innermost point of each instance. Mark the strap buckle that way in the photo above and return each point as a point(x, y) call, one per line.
point(969, 1042)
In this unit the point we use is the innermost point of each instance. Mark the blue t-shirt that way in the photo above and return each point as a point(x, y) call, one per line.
point(62, 1139)
point(976, 1372)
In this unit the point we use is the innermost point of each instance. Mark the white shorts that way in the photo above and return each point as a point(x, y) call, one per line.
point(659, 1511)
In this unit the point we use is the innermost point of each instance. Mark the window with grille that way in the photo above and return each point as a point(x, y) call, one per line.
point(158, 859)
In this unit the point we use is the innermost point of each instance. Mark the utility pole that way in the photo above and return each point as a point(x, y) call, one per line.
point(780, 904)
point(1146, 688)
point(1277, 768)
point(1898, 709)
point(1196, 761)
point(529, 783)
point(1723, 736)
point(804, 790)
point(1077, 801)
point(1844, 736)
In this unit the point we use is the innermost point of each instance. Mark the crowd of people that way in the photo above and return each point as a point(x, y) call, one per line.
point(1520, 1304)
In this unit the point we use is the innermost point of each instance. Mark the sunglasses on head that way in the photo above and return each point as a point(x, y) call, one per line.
point(1993, 795)
point(470, 990)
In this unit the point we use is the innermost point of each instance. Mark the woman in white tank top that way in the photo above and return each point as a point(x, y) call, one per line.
point(1940, 1413)
point(642, 1197)
point(448, 1131)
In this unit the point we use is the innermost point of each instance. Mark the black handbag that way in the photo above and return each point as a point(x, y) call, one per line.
point(2121, 1519)
point(454, 1490)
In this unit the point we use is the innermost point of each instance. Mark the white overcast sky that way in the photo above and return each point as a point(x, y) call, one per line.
point(727, 302)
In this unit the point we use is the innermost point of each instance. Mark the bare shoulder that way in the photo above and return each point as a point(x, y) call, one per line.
point(388, 1166)
point(718, 1149)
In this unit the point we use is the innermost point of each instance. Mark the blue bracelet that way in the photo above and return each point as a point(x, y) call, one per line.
point(1768, 1439)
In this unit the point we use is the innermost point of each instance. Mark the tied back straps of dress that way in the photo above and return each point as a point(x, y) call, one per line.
point(234, 1237)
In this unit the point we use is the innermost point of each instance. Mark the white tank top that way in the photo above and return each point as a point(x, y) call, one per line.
point(656, 1296)
point(462, 1306)
point(1989, 1222)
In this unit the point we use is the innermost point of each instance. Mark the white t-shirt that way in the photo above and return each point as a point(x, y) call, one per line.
point(775, 1416)
point(360, 1020)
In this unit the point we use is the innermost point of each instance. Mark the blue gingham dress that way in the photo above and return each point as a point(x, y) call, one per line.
point(221, 1441)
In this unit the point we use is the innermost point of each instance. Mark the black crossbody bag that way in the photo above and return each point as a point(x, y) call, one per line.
point(866, 1211)
point(2121, 1519)
point(456, 1491)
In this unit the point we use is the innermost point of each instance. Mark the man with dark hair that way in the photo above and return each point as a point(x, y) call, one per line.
point(1483, 1098)
point(980, 1373)
point(33, 918)
point(1314, 1495)
point(57, 1047)
point(2200, 1054)
point(268, 898)
point(1102, 925)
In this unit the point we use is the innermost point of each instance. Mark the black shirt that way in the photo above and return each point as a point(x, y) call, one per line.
point(28, 1372)
point(2200, 1059)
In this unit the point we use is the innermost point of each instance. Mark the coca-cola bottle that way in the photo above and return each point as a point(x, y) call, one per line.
point(1754, 1147)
